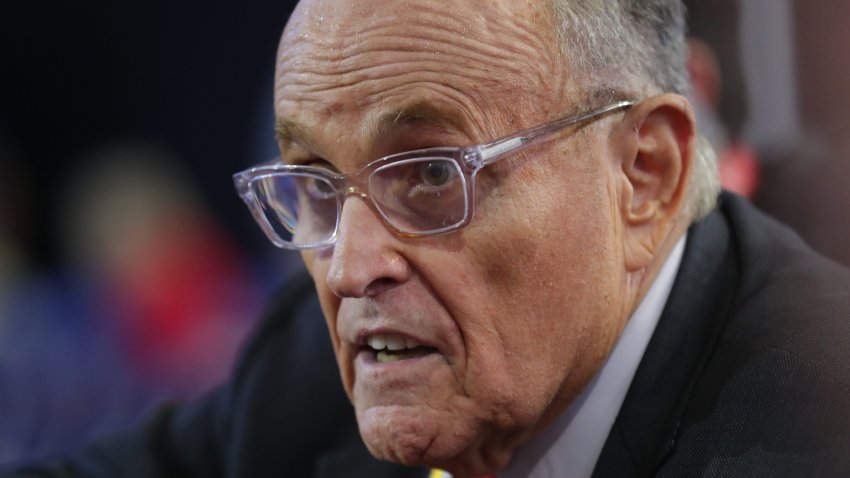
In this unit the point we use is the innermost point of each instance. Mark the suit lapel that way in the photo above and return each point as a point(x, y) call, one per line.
point(645, 429)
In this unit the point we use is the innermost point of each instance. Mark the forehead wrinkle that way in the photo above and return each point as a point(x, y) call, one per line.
point(429, 37)
point(467, 94)
point(371, 47)
point(483, 64)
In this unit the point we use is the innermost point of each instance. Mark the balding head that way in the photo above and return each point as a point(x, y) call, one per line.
point(459, 52)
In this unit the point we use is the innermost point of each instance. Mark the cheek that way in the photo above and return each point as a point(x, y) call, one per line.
point(541, 282)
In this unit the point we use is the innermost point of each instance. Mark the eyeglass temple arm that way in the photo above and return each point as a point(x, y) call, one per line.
point(490, 152)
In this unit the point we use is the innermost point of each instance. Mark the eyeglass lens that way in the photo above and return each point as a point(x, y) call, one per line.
point(415, 196)
point(300, 208)
point(420, 195)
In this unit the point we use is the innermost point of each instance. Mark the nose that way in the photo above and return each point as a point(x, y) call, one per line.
point(366, 259)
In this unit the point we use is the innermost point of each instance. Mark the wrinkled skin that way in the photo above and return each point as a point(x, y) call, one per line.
point(523, 305)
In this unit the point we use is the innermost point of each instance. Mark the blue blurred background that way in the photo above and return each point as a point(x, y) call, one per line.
point(130, 272)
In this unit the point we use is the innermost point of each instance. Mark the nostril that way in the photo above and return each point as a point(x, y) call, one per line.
point(380, 285)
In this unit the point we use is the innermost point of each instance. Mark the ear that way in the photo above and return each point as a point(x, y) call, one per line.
point(656, 171)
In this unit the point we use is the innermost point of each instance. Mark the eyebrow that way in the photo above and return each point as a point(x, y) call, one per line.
point(381, 125)
point(290, 131)
point(386, 123)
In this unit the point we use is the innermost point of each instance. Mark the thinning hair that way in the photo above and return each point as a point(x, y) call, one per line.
point(634, 48)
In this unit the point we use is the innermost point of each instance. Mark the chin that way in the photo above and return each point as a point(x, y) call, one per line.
point(401, 434)
point(412, 436)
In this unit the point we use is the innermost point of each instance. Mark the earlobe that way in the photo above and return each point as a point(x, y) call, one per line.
point(656, 174)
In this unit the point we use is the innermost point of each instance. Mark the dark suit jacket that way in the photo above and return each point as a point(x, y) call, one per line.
point(746, 375)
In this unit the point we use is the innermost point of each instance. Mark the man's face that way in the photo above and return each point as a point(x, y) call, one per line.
point(506, 319)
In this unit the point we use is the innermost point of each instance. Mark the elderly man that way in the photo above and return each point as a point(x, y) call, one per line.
point(511, 227)
point(483, 193)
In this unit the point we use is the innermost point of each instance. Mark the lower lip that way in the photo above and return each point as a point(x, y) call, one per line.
point(417, 368)
point(369, 358)
point(403, 383)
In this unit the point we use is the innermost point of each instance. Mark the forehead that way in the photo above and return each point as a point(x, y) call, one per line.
point(367, 57)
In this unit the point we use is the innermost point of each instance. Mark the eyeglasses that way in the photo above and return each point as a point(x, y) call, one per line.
point(416, 193)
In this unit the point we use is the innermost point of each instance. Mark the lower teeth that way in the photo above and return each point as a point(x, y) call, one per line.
point(385, 356)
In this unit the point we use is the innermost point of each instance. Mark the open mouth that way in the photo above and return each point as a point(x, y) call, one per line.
point(393, 348)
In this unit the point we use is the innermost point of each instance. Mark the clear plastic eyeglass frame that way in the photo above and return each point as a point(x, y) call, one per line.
point(466, 162)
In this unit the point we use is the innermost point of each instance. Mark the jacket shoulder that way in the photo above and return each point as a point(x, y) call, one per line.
point(772, 398)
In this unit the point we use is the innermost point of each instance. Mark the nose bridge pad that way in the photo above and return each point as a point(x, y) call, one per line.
point(354, 191)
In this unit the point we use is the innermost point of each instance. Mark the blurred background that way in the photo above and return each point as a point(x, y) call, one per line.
point(130, 272)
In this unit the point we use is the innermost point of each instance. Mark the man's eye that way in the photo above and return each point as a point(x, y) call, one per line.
point(319, 188)
point(437, 173)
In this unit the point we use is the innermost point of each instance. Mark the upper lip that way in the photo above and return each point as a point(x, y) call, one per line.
point(430, 327)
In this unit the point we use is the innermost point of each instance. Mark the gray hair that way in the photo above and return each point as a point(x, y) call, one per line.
point(635, 48)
